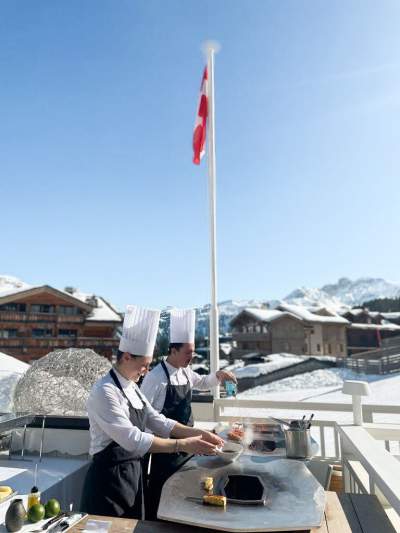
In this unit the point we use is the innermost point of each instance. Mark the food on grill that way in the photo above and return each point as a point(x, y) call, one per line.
point(219, 501)
point(208, 484)
point(5, 491)
point(236, 434)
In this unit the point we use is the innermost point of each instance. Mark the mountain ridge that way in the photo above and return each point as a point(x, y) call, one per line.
point(339, 296)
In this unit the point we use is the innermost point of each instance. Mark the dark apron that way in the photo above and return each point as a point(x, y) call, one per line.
point(113, 484)
point(177, 406)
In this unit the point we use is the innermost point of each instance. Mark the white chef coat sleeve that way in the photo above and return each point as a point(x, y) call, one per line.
point(154, 389)
point(203, 382)
point(104, 406)
point(158, 423)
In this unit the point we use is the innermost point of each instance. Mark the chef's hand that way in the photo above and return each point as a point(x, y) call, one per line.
point(196, 445)
point(225, 375)
point(212, 438)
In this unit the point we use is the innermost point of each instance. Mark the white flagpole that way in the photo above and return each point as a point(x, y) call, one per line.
point(211, 48)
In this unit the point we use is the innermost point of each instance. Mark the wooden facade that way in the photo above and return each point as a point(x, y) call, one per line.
point(278, 331)
point(36, 321)
point(281, 334)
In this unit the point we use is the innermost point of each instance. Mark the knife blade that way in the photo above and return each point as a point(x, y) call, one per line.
point(54, 520)
point(193, 499)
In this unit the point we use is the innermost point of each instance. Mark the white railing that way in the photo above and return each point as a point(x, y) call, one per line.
point(324, 429)
point(368, 465)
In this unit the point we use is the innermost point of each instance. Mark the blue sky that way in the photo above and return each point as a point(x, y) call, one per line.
point(97, 105)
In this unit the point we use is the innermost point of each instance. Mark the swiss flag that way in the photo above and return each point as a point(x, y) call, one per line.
point(200, 126)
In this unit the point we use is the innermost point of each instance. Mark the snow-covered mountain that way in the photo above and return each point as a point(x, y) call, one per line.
point(344, 293)
point(336, 296)
point(10, 284)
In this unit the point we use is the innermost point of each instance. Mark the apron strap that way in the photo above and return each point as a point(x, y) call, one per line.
point(186, 375)
point(166, 371)
point(118, 384)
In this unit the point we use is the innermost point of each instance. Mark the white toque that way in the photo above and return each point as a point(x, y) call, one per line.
point(139, 331)
point(182, 325)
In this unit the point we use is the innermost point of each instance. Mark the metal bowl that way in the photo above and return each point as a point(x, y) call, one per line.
point(230, 452)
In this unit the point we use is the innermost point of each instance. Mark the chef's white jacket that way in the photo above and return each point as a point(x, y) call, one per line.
point(108, 412)
point(155, 383)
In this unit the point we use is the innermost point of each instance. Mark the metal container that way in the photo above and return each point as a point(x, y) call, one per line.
point(298, 443)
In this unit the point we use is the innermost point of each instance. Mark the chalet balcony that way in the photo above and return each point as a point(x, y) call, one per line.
point(15, 316)
point(58, 342)
point(250, 337)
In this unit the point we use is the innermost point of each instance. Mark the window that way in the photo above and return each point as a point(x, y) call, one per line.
point(67, 333)
point(13, 307)
point(7, 333)
point(42, 308)
point(42, 333)
point(258, 328)
point(318, 347)
point(329, 348)
point(69, 310)
point(341, 347)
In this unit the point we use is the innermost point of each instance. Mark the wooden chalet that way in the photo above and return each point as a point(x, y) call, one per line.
point(37, 320)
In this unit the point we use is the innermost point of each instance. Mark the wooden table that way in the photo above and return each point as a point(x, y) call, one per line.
point(348, 513)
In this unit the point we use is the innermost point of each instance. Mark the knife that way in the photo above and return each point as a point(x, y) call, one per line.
point(59, 526)
point(53, 520)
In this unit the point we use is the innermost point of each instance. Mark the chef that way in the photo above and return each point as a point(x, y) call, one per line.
point(118, 415)
point(168, 388)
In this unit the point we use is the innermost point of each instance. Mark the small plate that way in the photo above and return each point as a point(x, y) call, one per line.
point(9, 497)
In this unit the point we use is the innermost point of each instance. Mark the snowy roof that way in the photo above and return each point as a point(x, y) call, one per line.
point(359, 311)
point(265, 315)
point(305, 314)
point(103, 312)
point(275, 362)
point(388, 327)
point(392, 315)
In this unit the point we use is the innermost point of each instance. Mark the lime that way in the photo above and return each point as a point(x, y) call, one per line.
point(52, 508)
point(36, 512)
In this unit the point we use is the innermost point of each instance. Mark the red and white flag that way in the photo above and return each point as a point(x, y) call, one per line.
point(200, 126)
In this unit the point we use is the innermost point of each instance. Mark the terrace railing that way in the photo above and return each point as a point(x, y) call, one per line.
point(369, 465)
point(324, 431)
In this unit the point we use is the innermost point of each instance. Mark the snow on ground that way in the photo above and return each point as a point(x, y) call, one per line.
point(11, 370)
point(313, 383)
point(275, 362)
point(325, 386)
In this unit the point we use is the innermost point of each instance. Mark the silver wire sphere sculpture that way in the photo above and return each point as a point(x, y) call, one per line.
point(59, 383)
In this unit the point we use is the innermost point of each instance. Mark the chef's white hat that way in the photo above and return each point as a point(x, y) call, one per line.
point(139, 331)
point(182, 325)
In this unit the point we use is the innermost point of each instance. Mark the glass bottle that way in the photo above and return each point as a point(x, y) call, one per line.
point(33, 497)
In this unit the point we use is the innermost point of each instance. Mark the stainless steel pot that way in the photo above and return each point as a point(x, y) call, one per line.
point(298, 443)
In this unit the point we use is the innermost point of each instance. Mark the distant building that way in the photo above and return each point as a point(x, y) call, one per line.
point(37, 320)
point(325, 331)
point(369, 329)
point(363, 337)
point(363, 316)
point(267, 331)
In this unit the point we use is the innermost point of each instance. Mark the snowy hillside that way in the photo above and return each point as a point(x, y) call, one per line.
point(10, 284)
point(344, 293)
